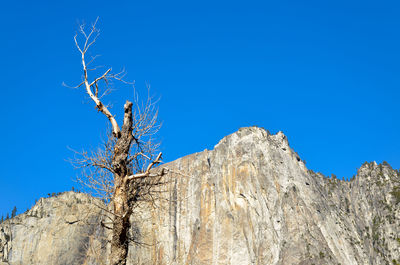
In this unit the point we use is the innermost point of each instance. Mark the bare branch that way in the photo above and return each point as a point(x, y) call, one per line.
point(147, 172)
point(92, 60)
point(77, 45)
point(99, 78)
point(74, 87)
point(89, 40)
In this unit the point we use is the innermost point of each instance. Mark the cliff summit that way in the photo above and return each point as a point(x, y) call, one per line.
point(250, 200)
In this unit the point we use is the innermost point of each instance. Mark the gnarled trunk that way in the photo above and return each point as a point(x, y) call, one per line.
point(120, 200)
point(121, 226)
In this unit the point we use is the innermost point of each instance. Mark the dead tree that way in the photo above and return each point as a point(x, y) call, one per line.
point(122, 170)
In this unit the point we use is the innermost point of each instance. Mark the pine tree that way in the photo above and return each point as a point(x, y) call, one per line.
point(14, 212)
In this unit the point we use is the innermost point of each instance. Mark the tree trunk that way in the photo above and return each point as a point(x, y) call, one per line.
point(121, 226)
point(122, 211)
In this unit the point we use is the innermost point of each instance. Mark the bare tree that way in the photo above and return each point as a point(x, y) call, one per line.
point(120, 171)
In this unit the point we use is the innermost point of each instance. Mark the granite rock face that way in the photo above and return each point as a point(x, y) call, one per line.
point(251, 200)
point(60, 230)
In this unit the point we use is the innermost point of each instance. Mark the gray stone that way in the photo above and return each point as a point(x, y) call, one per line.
point(59, 230)
point(251, 200)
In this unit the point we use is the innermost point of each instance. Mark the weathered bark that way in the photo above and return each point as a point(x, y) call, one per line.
point(120, 230)
point(122, 211)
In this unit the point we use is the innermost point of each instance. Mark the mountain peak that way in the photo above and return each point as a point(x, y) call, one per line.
point(250, 200)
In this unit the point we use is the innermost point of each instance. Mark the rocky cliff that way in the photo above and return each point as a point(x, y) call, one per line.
point(251, 200)
point(60, 230)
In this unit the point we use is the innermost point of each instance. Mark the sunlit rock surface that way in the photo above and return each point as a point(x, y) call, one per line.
point(60, 230)
point(251, 200)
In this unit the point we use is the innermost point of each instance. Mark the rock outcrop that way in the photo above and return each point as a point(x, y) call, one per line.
point(62, 230)
point(251, 200)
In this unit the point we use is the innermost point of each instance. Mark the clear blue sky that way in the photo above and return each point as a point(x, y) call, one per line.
point(326, 73)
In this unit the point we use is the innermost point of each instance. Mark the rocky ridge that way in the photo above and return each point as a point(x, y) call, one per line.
point(63, 229)
point(250, 200)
